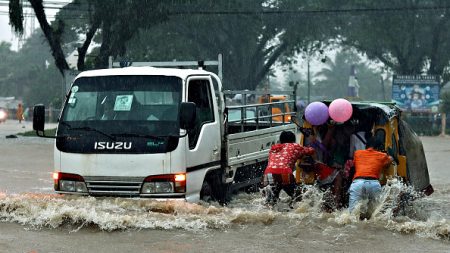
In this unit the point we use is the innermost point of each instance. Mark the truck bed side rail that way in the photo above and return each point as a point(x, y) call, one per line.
point(253, 146)
point(242, 118)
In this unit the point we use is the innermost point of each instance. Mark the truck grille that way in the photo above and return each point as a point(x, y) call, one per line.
point(114, 186)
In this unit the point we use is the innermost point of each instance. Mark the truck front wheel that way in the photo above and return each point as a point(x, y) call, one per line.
point(213, 189)
point(206, 192)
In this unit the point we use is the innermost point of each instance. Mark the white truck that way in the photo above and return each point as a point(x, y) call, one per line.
point(157, 133)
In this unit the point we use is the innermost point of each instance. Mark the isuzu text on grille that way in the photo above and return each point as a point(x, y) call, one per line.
point(112, 145)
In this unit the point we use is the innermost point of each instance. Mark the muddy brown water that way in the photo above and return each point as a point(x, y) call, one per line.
point(33, 219)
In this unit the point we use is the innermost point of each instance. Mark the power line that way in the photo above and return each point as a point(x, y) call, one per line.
point(261, 13)
point(60, 5)
point(325, 11)
point(45, 2)
point(3, 4)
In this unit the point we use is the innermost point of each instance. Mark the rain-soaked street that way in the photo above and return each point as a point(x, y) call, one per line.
point(34, 219)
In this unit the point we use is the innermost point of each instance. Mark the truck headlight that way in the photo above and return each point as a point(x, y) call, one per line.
point(72, 186)
point(168, 183)
point(157, 187)
point(67, 182)
point(3, 115)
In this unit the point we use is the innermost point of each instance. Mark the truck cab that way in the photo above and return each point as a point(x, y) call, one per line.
point(137, 149)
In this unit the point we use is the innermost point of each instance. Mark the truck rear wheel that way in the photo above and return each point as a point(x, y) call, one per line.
point(252, 188)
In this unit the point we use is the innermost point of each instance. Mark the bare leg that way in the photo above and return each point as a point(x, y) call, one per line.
point(337, 190)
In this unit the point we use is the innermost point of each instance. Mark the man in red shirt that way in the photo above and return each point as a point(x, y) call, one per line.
point(368, 165)
point(278, 174)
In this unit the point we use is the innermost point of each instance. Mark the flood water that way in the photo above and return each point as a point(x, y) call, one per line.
point(34, 219)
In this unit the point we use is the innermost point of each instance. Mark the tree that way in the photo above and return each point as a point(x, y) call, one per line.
point(250, 34)
point(335, 78)
point(28, 74)
point(53, 34)
point(107, 15)
point(242, 39)
point(410, 36)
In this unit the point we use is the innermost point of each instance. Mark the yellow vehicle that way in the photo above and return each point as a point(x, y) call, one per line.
point(385, 122)
point(281, 111)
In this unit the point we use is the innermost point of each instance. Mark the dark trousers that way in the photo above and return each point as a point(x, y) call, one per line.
point(274, 183)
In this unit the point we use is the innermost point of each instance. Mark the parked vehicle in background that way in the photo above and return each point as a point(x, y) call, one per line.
point(281, 111)
point(3, 114)
point(237, 115)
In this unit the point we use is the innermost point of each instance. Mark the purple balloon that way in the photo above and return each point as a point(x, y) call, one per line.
point(316, 113)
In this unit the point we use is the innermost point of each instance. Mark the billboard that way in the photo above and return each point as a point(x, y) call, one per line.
point(416, 93)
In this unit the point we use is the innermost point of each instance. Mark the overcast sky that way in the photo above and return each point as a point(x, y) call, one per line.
point(6, 34)
point(5, 31)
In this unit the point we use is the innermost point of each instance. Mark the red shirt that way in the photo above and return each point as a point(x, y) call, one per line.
point(369, 163)
point(282, 157)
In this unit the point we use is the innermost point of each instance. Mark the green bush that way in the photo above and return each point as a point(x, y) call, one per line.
point(48, 132)
point(424, 124)
point(445, 103)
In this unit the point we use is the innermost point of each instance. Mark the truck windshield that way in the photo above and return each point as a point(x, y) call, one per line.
point(126, 106)
point(123, 98)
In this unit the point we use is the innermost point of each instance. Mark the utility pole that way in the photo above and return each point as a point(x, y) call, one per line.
point(309, 51)
point(309, 80)
point(382, 87)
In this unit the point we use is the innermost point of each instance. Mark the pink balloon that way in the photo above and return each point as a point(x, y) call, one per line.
point(340, 110)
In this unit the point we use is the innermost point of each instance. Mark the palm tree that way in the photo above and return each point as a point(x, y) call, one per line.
point(334, 78)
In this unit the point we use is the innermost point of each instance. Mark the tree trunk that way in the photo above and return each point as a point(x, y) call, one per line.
point(443, 123)
point(261, 74)
point(83, 49)
point(101, 61)
point(53, 37)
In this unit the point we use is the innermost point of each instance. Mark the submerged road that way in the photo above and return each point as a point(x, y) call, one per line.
point(33, 219)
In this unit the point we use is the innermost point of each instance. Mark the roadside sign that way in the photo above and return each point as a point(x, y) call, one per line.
point(416, 93)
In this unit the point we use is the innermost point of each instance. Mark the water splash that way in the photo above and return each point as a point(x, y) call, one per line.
point(423, 216)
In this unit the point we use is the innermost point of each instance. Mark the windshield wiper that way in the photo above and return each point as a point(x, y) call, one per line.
point(86, 128)
point(139, 135)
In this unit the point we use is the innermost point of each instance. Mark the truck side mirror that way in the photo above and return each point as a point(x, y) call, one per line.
point(39, 117)
point(188, 115)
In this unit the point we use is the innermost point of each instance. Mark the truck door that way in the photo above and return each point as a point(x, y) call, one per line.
point(204, 139)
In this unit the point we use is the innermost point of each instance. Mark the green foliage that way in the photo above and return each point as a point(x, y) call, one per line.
point(335, 79)
point(119, 20)
point(413, 38)
point(26, 76)
point(16, 15)
point(408, 36)
point(240, 39)
point(47, 132)
point(423, 124)
point(113, 23)
point(250, 43)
